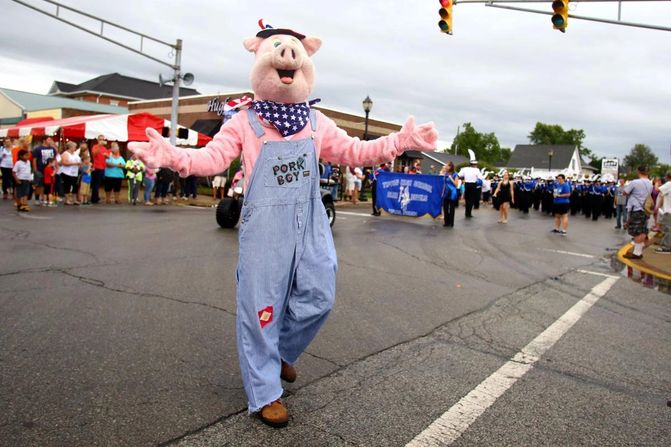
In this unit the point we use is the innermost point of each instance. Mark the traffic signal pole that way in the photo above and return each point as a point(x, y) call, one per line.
point(176, 49)
point(496, 4)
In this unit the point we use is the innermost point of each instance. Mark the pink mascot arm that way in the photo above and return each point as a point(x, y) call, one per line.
point(210, 160)
point(338, 147)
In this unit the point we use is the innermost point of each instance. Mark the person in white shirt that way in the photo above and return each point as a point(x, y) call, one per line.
point(353, 178)
point(70, 163)
point(486, 189)
point(23, 176)
point(470, 175)
point(358, 181)
point(665, 215)
point(6, 165)
point(348, 180)
point(218, 185)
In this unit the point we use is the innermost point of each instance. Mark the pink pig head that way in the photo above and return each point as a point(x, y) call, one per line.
point(283, 70)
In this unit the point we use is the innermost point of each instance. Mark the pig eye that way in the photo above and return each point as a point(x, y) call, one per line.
point(277, 43)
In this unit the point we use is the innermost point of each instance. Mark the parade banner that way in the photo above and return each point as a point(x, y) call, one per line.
point(410, 195)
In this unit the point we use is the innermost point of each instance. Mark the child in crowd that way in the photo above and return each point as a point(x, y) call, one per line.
point(85, 186)
point(148, 181)
point(163, 179)
point(23, 176)
point(50, 181)
point(134, 170)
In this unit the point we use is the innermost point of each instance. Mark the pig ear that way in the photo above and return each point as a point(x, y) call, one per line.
point(311, 44)
point(252, 44)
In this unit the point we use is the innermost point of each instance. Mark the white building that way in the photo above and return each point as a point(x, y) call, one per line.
point(543, 160)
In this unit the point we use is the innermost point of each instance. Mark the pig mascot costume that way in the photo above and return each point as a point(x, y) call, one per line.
point(286, 272)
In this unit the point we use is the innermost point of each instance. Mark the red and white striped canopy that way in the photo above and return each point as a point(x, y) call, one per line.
point(121, 128)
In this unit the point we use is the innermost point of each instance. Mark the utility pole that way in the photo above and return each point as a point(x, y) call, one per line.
point(176, 48)
point(456, 141)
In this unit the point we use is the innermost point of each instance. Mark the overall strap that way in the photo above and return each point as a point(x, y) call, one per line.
point(254, 122)
point(313, 120)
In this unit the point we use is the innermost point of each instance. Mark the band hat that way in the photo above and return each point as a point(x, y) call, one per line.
point(472, 157)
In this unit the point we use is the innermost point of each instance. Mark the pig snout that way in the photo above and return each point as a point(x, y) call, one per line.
point(287, 58)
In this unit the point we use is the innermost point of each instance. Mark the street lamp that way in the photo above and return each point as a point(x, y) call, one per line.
point(550, 154)
point(367, 107)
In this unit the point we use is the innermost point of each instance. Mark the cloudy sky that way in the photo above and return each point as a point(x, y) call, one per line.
point(501, 70)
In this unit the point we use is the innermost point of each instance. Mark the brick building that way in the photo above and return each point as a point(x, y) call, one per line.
point(115, 89)
point(16, 106)
point(200, 113)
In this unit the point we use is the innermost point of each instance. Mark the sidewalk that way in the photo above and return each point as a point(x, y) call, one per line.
point(202, 200)
point(653, 270)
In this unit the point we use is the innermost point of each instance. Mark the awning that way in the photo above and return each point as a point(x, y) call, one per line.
point(25, 122)
point(129, 127)
point(207, 127)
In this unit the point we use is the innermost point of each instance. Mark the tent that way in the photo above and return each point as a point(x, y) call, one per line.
point(122, 128)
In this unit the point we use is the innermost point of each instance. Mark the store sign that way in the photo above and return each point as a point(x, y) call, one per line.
point(216, 106)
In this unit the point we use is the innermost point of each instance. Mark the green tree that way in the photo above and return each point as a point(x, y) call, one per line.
point(591, 158)
point(555, 134)
point(485, 145)
point(639, 155)
point(660, 170)
point(506, 152)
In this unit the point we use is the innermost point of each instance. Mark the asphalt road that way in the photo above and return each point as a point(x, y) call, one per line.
point(117, 327)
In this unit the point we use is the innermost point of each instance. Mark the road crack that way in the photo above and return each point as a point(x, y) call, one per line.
point(101, 284)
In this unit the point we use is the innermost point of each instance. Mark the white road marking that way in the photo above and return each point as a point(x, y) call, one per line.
point(583, 255)
point(349, 213)
point(605, 275)
point(193, 207)
point(455, 421)
point(28, 216)
point(415, 221)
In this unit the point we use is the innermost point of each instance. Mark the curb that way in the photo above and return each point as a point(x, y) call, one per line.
point(643, 272)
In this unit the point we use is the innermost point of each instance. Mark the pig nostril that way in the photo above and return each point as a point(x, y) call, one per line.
point(282, 53)
point(293, 54)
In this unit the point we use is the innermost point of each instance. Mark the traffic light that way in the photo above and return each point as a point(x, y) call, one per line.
point(560, 17)
point(445, 22)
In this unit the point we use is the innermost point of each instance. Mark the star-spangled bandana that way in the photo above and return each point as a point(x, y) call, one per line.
point(288, 119)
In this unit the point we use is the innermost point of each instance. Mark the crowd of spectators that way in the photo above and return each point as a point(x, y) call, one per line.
point(70, 174)
point(51, 174)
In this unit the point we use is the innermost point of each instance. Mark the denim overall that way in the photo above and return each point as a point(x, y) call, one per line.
point(287, 266)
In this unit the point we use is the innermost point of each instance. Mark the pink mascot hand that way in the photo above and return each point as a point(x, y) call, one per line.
point(422, 137)
point(156, 153)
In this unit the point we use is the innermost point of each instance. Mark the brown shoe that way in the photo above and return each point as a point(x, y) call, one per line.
point(631, 255)
point(288, 373)
point(274, 414)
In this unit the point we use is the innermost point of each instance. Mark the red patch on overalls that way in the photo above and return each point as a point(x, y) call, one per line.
point(265, 316)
